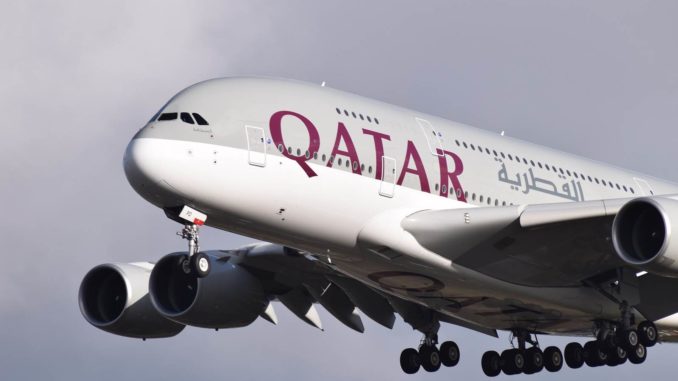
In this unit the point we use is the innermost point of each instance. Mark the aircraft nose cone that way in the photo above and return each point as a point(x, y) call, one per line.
point(140, 164)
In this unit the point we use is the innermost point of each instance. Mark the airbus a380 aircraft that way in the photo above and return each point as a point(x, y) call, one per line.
point(385, 210)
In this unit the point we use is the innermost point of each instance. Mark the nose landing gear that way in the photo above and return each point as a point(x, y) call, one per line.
point(195, 261)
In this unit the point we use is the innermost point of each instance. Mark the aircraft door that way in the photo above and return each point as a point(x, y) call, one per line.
point(435, 145)
point(388, 176)
point(644, 187)
point(256, 146)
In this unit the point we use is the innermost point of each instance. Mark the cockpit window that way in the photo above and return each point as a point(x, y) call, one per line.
point(168, 116)
point(186, 117)
point(201, 121)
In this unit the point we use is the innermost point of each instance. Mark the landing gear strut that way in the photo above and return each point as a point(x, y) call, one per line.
point(195, 261)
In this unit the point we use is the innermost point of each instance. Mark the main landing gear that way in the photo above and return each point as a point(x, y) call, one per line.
point(428, 356)
point(195, 261)
point(613, 346)
point(522, 359)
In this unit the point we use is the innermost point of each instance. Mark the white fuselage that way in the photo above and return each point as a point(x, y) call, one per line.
point(290, 163)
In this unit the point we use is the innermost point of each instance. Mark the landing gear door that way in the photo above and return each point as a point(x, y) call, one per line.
point(256, 146)
point(388, 176)
point(435, 145)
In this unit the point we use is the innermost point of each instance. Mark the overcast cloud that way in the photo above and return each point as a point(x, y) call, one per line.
point(78, 78)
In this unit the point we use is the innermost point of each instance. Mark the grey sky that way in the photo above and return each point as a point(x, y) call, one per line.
point(79, 78)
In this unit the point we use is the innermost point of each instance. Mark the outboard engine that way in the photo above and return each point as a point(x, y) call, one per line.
point(114, 297)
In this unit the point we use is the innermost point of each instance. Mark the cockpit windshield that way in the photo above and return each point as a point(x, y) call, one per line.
point(168, 116)
point(184, 116)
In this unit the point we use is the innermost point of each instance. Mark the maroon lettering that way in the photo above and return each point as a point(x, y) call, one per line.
point(275, 125)
point(446, 175)
point(350, 153)
point(419, 170)
point(378, 148)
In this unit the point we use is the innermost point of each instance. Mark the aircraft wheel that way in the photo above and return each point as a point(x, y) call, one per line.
point(534, 360)
point(553, 359)
point(638, 354)
point(409, 361)
point(574, 355)
point(647, 334)
point(430, 358)
point(491, 363)
point(616, 356)
point(200, 263)
point(512, 361)
point(449, 353)
point(628, 339)
point(594, 355)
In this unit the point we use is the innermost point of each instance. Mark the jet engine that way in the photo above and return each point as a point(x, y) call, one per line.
point(229, 297)
point(114, 297)
point(641, 234)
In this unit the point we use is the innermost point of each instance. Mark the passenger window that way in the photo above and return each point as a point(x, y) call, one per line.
point(200, 120)
point(168, 116)
point(186, 117)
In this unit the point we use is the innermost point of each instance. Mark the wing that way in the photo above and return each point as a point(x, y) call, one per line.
point(536, 245)
point(300, 280)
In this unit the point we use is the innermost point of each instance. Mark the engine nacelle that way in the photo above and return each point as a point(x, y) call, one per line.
point(229, 297)
point(114, 297)
point(641, 234)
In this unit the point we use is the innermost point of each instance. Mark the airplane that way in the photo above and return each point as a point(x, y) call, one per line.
point(362, 206)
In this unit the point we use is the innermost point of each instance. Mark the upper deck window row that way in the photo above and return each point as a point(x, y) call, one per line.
point(555, 169)
point(357, 115)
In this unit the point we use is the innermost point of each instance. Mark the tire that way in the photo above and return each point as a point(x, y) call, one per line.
point(628, 339)
point(200, 263)
point(534, 360)
point(616, 356)
point(647, 334)
point(449, 353)
point(512, 361)
point(553, 359)
point(574, 355)
point(409, 361)
point(638, 355)
point(491, 363)
point(430, 358)
point(594, 354)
